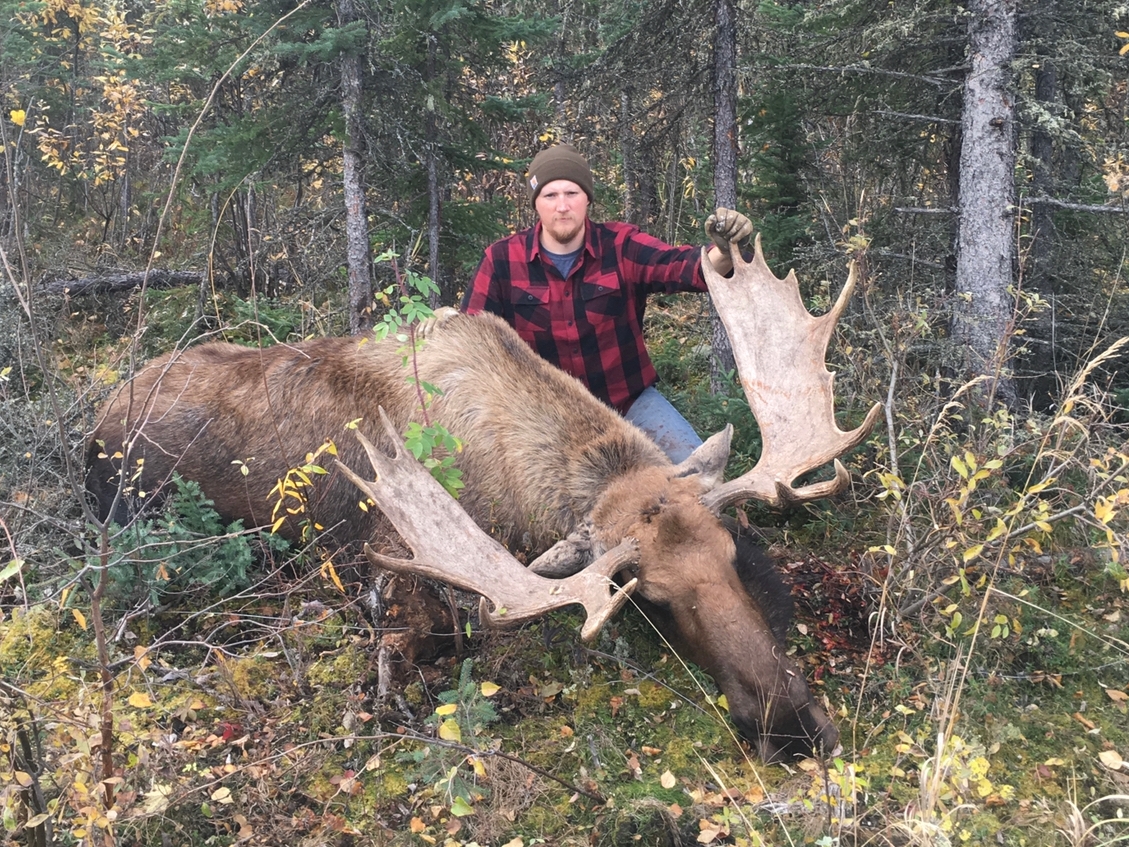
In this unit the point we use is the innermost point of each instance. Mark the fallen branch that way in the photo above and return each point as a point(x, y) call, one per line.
point(115, 282)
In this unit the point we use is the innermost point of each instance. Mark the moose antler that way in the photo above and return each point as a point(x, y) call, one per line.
point(450, 547)
point(780, 351)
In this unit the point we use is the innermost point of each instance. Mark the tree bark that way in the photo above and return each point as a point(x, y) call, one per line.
point(627, 153)
point(725, 160)
point(358, 252)
point(431, 155)
point(1039, 383)
point(982, 315)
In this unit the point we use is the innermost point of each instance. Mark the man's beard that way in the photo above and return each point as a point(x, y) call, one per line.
point(565, 231)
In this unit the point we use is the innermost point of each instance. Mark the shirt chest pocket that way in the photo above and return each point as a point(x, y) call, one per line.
point(604, 298)
point(531, 308)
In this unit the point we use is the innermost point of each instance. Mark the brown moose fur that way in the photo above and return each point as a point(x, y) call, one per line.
point(541, 457)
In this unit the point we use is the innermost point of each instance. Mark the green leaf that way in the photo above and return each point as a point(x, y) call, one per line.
point(460, 808)
point(11, 569)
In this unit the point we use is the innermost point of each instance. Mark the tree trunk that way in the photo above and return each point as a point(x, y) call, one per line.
point(983, 311)
point(357, 251)
point(1039, 382)
point(627, 154)
point(437, 298)
point(725, 159)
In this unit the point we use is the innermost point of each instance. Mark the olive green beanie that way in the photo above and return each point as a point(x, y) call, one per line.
point(560, 162)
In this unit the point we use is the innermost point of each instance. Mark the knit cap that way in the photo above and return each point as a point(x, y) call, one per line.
point(560, 162)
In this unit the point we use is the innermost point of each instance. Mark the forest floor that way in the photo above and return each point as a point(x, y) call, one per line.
point(995, 712)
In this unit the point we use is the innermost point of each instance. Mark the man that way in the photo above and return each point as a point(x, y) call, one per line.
point(576, 291)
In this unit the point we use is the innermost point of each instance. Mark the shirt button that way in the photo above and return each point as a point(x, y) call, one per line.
point(568, 292)
point(576, 351)
point(570, 323)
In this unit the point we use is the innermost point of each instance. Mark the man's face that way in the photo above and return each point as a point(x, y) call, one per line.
point(562, 207)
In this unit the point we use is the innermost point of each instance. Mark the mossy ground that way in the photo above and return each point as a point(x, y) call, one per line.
point(995, 742)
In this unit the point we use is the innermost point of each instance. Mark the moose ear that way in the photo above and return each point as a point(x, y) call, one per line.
point(709, 460)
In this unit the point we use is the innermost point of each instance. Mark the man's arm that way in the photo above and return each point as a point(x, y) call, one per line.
point(482, 293)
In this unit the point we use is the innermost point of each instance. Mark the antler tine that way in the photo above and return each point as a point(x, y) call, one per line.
point(450, 547)
point(780, 350)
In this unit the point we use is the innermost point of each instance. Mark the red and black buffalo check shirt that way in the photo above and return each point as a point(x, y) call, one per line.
point(591, 324)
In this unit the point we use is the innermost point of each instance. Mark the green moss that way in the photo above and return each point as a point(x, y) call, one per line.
point(28, 637)
point(43, 652)
point(347, 665)
point(253, 678)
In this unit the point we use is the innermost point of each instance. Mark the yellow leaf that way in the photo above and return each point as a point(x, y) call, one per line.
point(18, 116)
point(447, 709)
point(667, 780)
point(449, 730)
point(972, 552)
point(959, 467)
point(1104, 509)
point(222, 795)
point(721, 701)
point(476, 763)
point(327, 570)
point(489, 689)
point(140, 700)
point(80, 617)
point(1111, 759)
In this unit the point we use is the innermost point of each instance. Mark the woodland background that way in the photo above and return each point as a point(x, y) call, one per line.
point(179, 169)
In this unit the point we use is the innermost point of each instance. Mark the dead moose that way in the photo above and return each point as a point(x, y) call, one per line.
point(546, 466)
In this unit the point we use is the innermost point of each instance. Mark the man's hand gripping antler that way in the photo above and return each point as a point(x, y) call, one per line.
point(726, 227)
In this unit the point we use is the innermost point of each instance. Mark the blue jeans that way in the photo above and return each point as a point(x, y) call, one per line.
point(654, 414)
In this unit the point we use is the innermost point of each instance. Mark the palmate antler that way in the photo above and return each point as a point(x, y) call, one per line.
point(780, 351)
point(450, 547)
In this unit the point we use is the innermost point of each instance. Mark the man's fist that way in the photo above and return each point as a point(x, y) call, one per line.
point(726, 225)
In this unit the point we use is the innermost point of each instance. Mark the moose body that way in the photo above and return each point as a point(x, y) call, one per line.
point(546, 466)
point(543, 462)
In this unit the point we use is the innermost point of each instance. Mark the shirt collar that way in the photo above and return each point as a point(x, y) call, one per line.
point(590, 245)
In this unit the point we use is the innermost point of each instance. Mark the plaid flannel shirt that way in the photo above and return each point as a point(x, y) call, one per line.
point(591, 324)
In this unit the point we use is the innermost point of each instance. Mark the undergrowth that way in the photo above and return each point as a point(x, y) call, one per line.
point(961, 614)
